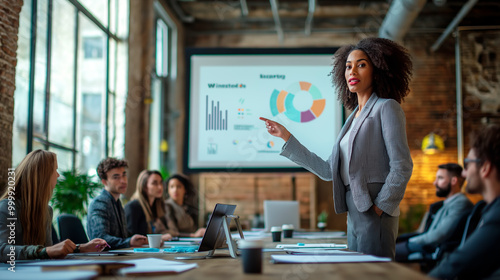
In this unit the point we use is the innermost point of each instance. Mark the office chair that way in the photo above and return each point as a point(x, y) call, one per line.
point(55, 239)
point(425, 223)
point(70, 227)
point(473, 220)
point(433, 254)
point(459, 238)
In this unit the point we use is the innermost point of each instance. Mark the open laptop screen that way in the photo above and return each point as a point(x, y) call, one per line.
point(280, 212)
point(214, 234)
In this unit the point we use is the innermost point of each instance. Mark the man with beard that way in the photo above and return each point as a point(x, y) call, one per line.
point(448, 184)
point(478, 256)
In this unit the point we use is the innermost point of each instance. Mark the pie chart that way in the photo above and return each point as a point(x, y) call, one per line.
point(282, 102)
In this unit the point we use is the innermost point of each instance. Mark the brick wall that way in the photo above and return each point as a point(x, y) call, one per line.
point(481, 78)
point(248, 191)
point(430, 107)
point(141, 63)
point(9, 25)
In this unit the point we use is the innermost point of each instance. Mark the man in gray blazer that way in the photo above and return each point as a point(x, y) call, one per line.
point(448, 184)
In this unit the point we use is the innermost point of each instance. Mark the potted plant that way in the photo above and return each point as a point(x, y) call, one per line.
point(72, 193)
point(322, 218)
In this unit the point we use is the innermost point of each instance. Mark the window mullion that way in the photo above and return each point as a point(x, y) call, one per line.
point(31, 87)
point(75, 86)
point(48, 68)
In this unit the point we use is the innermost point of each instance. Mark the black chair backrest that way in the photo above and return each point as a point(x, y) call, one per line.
point(433, 208)
point(473, 220)
point(55, 239)
point(70, 227)
point(459, 229)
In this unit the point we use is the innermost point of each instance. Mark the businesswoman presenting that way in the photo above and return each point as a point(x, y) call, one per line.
point(370, 163)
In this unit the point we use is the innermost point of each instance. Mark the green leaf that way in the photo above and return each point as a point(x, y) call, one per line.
point(73, 192)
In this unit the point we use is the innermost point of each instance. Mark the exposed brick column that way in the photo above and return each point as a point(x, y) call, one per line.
point(9, 26)
point(141, 64)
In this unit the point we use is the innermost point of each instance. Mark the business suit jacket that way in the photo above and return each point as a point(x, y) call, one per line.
point(478, 257)
point(444, 222)
point(378, 154)
point(107, 221)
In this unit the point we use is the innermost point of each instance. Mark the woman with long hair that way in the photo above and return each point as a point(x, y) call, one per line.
point(181, 216)
point(26, 217)
point(370, 163)
point(145, 211)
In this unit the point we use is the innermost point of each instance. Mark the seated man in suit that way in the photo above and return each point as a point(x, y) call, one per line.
point(478, 257)
point(106, 217)
point(448, 184)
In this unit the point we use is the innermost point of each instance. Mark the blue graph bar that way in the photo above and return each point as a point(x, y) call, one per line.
point(214, 116)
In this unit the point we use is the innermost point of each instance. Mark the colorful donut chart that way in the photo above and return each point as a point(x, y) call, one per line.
point(282, 102)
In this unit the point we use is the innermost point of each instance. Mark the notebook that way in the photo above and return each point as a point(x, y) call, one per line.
point(280, 212)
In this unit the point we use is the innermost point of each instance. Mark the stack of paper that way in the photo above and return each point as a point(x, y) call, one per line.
point(153, 266)
point(310, 246)
point(102, 267)
point(315, 251)
point(319, 235)
point(86, 269)
point(50, 275)
point(327, 259)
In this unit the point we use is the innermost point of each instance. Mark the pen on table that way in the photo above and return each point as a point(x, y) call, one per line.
point(104, 246)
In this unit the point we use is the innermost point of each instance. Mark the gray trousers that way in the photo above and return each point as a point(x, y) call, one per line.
point(367, 232)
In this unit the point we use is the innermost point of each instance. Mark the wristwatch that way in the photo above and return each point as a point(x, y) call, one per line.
point(77, 249)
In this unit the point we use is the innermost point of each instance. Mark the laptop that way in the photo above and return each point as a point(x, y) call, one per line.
point(280, 212)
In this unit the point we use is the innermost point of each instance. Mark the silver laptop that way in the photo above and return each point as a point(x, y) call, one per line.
point(279, 212)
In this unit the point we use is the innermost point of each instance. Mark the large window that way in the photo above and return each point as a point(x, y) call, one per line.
point(71, 81)
point(164, 110)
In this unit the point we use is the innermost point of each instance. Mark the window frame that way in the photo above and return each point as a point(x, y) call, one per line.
point(42, 139)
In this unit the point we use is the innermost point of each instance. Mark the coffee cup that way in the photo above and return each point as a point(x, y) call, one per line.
point(276, 233)
point(251, 255)
point(287, 231)
point(154, 240)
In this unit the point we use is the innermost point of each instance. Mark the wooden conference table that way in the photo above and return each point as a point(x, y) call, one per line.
point(224, 267)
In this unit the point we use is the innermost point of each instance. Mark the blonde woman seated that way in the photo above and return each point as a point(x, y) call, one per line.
point(26, 217)
point(146, 211)
point(181, 217)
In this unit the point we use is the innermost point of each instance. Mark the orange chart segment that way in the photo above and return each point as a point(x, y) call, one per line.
point(305, 86)
point(318, 106)
point(281, 101)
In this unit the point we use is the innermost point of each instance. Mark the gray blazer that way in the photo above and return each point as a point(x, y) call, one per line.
point(378, 154)
point(445, 221)
point(106, 220)
point(22, 251)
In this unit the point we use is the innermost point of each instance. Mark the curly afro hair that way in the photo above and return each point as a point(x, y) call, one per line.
point(391, 74)
point(107, 164)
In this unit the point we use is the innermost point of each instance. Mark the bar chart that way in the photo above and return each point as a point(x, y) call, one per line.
point(216, 118)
